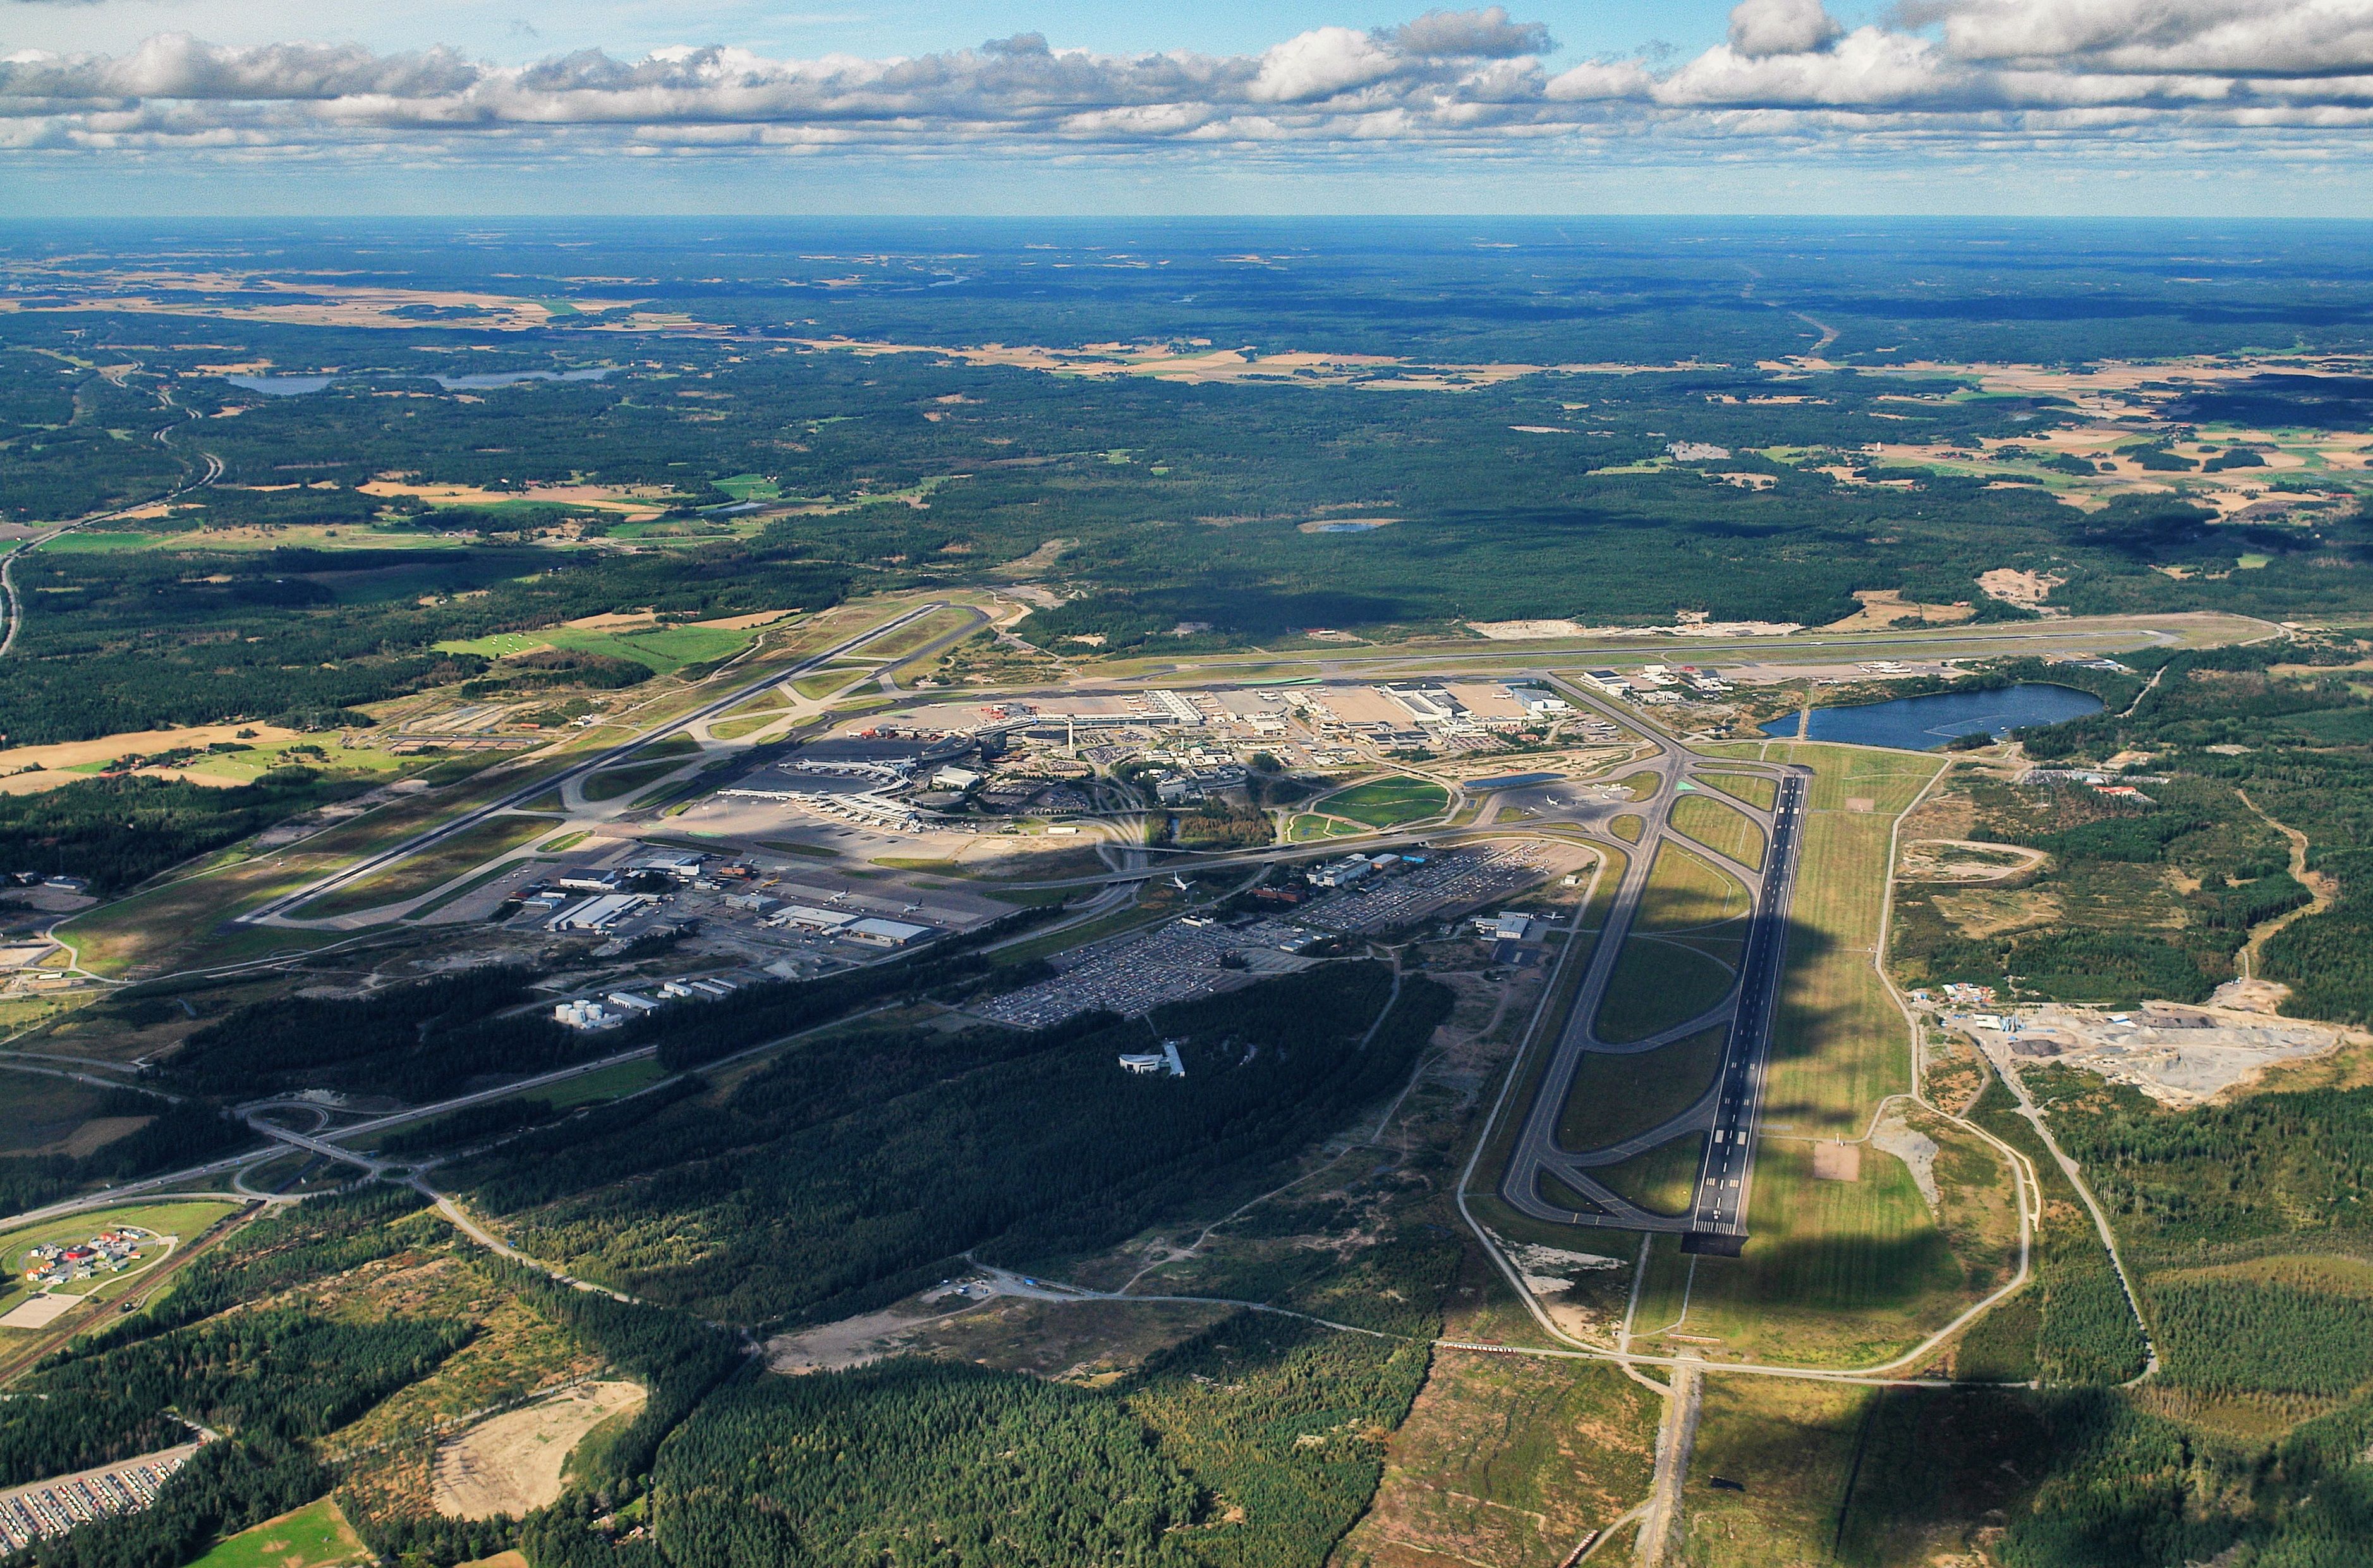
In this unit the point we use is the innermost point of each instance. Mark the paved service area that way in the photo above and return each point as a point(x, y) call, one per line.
point(54, 1506)
point(1135, 975)
point(1463, 878)
point(2179, 1056)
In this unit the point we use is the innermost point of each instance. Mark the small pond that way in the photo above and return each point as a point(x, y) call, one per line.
point(1924, 723)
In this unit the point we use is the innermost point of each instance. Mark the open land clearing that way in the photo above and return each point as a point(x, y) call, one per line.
point(316, 1536)
point(513, 1463)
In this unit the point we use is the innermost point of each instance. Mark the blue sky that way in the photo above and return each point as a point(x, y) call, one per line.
point(2016, 107)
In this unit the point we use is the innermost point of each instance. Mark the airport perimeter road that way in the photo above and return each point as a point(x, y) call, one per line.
point(272, 912)
point(1730, 1105)
point(1719, 1225)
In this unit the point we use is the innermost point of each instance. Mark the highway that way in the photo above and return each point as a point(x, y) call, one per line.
point(275, 911)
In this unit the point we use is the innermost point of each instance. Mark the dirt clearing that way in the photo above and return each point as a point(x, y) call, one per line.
point(511, 1463)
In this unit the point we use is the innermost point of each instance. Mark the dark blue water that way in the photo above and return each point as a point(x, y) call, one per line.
point(1924, 723)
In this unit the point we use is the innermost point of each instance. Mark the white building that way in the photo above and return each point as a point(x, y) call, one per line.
point(879, 932)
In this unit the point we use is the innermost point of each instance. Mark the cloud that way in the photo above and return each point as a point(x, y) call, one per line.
point(1950, 74)
point(2254, 38)
point(1759, 27)
point(1481, 35)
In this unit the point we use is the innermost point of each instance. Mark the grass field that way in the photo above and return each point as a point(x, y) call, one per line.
point(1629, 828)
point(1720, 828)
point(907, 639)
point(1620, 1097)
point(464, 852)
point(185, 1219)
point(1861, 1478)
point(46, 1113)
point(749, 724)
point(1753, 788)
point(1662, 1180)
point(610, 1083)
point(1836, 1273)
point(1305, 827)
point(316, 1536)
point(1839, 1045)
point(1657, 984)
point(1686, 892)
point(612, 782)
point(1388, 802)
point(663, 649)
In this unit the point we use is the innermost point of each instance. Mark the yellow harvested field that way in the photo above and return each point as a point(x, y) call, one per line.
point(640, 502)
point(144, 743)
point(511, 1464)
point(1219, 365)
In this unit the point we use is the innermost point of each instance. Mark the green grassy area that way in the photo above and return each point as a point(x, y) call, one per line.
point(1720, 828)
point(749, 724)
point(185, 1219)
point(1307, 826)
point(664, 649)
point(1839, 1043)
point(611, 782)
point(1616, 1097)
point(1388, 802)
point(1657, 984)
point(432, 868)
point(610, 1083)
point(1629, 828)
point(1662, 1180)
point(1757, 790)
point(1687, 891)
point(316, 1536)
point(1858, 1477)
point(1840, 1273)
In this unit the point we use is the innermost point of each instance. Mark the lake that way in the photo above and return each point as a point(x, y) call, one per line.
point(1924, 723)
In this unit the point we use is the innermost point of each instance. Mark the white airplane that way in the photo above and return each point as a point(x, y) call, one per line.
point(1179, 883)
point(910, 908)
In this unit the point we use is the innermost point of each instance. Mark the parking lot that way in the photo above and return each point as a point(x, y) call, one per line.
point(1135, 976)
point(1466, 878)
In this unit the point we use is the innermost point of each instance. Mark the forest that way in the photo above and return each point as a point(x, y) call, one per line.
point(415, 1042)
point(117, 831)
point(858, 1162)
point(911, 470)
